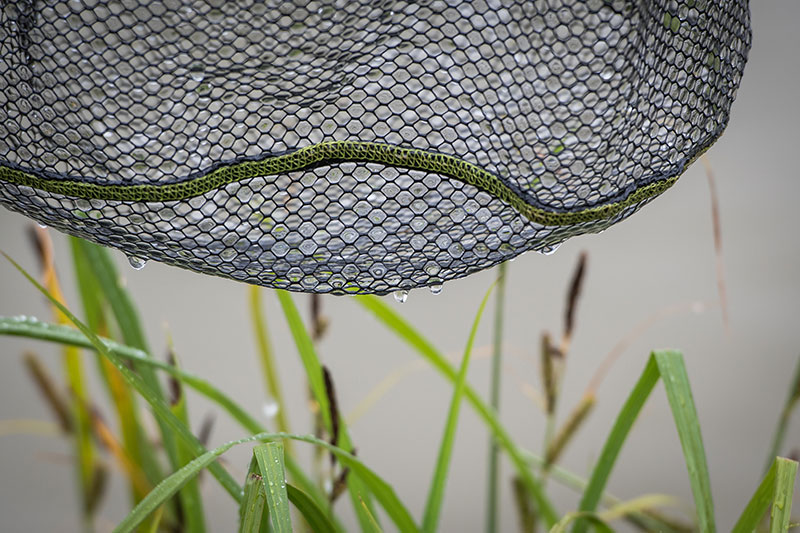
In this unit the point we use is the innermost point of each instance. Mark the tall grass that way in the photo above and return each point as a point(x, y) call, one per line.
point(279, 493)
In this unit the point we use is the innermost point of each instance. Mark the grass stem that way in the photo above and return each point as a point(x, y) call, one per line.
point(494, 401)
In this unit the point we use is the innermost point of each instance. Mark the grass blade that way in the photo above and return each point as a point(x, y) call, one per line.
point(305, 348)
point(273, 476)
point(777, 488)
point(85, 452)
point(265, 353)
point(313, 368)
point(408, 334)
point(669, 366)
point(317, 520)
point(251, 511)
point(492, 484)
point(136, 443)
point(436, 494)
point(375, 527)
point(754, 512)
point(786, 414)
point(32, 328)
point(122, 307)
point(619, 432)
point(676, 384)
point(167, 488)
point(127, 319)
point(191, 503)
point(160, 409)
point(786, 471)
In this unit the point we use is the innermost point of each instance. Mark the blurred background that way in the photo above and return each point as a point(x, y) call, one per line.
point(656, 269)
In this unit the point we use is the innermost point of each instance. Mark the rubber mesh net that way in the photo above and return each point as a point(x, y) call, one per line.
point(355, 146)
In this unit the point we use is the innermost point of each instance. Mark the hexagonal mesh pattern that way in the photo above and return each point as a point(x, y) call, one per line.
point(355, 146)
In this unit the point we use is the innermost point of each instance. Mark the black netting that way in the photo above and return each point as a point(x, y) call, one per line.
point(355, 146)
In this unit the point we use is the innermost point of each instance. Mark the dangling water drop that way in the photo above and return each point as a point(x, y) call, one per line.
point(401, 296)
point(551, 249)
point(137, 262)
point(41, 225)
point(197, 73)
point(436, 289)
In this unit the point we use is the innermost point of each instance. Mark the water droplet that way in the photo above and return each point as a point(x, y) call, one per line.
point(197, 72)
point(43, 226)
point(401, 296)
point(271, 408)
point(436, 289)
point(551, 249)
point(137, 262)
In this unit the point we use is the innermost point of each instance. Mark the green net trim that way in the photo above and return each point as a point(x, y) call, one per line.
point(327, 153)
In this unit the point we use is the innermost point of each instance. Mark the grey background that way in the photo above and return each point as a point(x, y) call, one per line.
point(660, 258)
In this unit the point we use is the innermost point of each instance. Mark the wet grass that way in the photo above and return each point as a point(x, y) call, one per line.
point(279, 492)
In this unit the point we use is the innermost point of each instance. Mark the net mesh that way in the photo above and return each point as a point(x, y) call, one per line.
point(355, 146)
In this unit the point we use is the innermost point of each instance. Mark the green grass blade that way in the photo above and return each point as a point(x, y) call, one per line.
point(679, 393)
point(35, 329)
point(493, 472)
point(408, 334)
point(160, 409)
point(273, 476)
point(32, 328)
point(433, 505)
point(382, 491)
point(133, 437)
point(265, 353)
point(251, 510)
point(189, 495)
point(315, 517)
point(777, 488)
point(167, 488)
point(786, 471)
point(786, 414)
point(668, 365)
point(130, 327)
point(85, 453)
point(619, 432)
point(88, 288)
point(757, 506)
point(375, 527)
point(308, 356)
point(119, 299)
point(305, 347)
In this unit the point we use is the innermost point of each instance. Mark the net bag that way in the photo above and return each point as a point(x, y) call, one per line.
point(355, 146)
